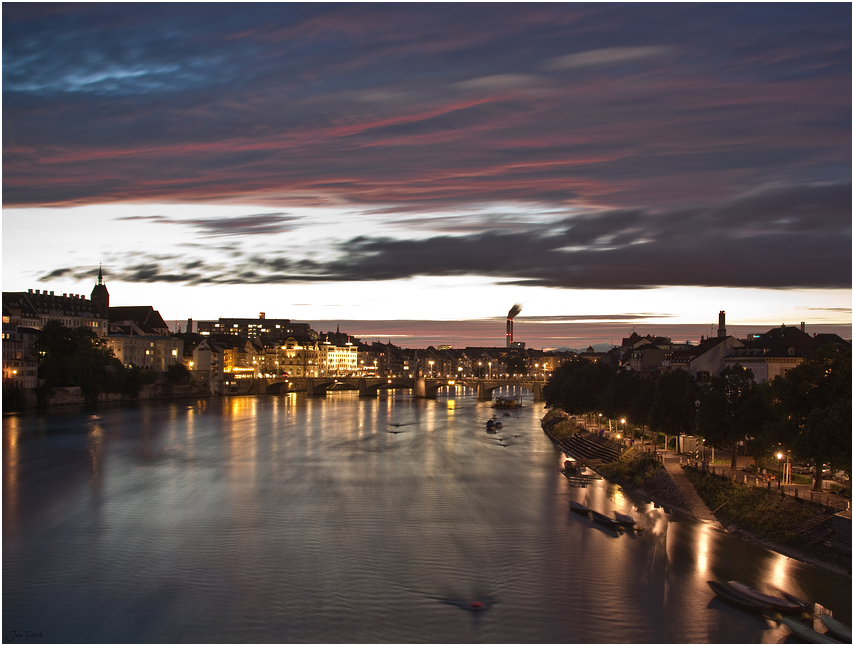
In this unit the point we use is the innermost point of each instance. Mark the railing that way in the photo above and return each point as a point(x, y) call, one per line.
point(802, 492)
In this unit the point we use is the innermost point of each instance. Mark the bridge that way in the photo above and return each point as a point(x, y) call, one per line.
point(422, 387)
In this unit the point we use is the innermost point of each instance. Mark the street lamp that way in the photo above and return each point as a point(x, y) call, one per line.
point(431, 367)
point(779, 469)
point(623, 422)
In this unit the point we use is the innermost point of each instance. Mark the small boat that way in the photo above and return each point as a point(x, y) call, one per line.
point(577, 506)
point(728, 593)
point(836, 628)
point(628, 521)
point(806, 606)
point(805, 632)
point(783, 605)
point(602, 519)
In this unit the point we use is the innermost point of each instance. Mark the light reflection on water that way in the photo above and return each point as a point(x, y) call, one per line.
point(276, 519)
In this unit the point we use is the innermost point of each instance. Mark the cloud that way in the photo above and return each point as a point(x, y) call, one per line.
point(769, 239)
point(606, 56)
point(359, 104)
point(243, 225)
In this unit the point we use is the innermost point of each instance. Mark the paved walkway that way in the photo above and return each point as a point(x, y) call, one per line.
point(695, 504)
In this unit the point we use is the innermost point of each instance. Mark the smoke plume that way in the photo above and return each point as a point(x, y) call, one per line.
point(514, 311)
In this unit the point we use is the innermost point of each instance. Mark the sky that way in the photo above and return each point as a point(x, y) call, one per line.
point(410, 171)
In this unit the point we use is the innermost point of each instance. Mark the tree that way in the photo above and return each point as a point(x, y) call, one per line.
point(732, 411)
point(628, 395)
point(813, 406)
point(673, 405)
point(73, 357)
point(178, 374)
point(577, 386)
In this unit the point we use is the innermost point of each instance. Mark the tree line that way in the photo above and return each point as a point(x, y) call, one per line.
point(79, 357)
point(806, 411)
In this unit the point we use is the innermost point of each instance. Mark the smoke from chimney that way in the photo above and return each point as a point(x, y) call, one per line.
point(514, 311)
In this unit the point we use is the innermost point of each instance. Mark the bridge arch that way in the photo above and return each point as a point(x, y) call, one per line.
point(373, 389)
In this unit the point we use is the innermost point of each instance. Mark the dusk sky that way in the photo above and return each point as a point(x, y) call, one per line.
point(610, 167)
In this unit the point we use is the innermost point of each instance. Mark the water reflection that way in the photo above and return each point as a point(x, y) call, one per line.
point(317, 519)
point(11, 466)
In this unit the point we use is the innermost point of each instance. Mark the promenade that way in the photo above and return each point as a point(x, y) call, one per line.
point(674, 462)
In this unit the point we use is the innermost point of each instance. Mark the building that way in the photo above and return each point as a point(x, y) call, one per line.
point(34, 308)
point(25, 315)
point(275, 329)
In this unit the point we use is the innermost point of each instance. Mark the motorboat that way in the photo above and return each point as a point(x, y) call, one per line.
point(726, 592)
point(782, 605)
point(624, 519)
point(602, 519)
point(577, 506)
point(836, 628)
point(805, 632)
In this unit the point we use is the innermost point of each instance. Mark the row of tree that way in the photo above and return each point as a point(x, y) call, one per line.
point(807, 411)
point(78, 357)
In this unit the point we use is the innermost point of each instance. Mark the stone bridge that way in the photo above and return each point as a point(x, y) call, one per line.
point(421, 387)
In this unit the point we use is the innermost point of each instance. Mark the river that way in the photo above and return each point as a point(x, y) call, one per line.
point(339, 519)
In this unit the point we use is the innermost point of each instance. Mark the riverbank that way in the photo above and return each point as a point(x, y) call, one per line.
point(794, 527)
point(17, 399)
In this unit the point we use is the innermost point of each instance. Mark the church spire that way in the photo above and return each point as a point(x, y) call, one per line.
point(100, 275)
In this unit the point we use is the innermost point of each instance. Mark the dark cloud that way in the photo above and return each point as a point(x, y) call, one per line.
point(620, 106)
point(257, 224)
point(778, 238)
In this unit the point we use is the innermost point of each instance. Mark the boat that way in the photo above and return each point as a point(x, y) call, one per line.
point(805, 632)
point(507, 402)
point(805, 605)
point(728, 593)
point(783, 605)
point(602, 519)
point(577, 506)
point(628, 521)
point(836, 628)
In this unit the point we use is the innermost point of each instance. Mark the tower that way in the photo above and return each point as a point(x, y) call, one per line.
point(101, 298)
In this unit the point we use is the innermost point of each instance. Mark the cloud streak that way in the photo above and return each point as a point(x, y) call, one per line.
point(783, 237)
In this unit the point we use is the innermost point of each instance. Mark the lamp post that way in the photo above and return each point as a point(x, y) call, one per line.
point(431, 368)
point(623, 422)
point(779, 470)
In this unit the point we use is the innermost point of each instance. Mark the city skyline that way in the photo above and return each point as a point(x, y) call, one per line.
point(608, 167)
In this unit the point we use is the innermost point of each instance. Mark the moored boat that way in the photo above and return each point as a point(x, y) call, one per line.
point(783, 605)
point(728, 593)
point(577, 506)
point(805, 632)
point(602, 519)
point(806, 606)
point(624, 519)
point(836, 628)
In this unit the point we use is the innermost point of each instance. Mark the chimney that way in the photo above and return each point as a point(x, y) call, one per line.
point(722, 324)
point(509, 334)
point(803, 327)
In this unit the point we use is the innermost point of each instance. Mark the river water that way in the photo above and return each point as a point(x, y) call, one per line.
point(339, 519)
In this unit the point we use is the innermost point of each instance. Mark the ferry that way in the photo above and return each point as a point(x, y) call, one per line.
point(507, 402)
